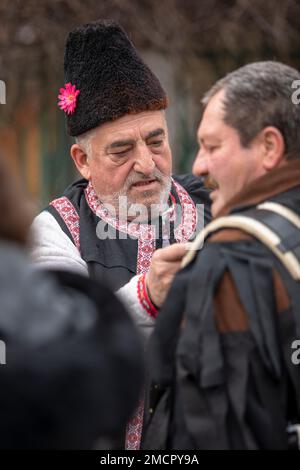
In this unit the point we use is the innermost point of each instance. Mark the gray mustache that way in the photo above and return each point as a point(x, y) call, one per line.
point(132, 179)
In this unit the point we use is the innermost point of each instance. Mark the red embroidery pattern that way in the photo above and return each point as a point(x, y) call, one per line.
point(184, 231)
point(134, 428)
point(188, 221)
point(146, 248)
point(70, 216)
point(100, 210)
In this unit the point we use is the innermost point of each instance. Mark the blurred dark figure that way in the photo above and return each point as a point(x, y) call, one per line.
point(73, 359)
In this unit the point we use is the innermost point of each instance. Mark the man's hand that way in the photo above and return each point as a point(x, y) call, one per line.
point(164, 265)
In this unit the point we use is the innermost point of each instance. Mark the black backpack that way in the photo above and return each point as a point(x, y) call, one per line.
point(276, 227)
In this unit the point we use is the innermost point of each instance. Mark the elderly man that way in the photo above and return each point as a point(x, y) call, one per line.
point(228, 331)
point(127, 206)
point(113, 223)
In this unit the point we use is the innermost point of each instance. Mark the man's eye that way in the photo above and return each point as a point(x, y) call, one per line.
point(155, 143)
point(211, 148)
point(121, 154)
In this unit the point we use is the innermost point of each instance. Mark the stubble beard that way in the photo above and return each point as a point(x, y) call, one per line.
point(152, 202)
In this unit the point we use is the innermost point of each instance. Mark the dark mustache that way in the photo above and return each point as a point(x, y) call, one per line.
point(210, 182)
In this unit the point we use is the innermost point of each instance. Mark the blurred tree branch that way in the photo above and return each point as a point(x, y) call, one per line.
point(33, 34)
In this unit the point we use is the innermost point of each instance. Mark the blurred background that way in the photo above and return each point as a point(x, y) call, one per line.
point(188, 43)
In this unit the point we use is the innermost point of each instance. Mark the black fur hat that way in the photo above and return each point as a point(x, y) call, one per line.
point(112, 79)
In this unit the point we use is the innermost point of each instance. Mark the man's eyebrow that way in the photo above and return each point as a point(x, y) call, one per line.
point(208, 137)
point(155, 133)
point(119, 143)
point(127, 142)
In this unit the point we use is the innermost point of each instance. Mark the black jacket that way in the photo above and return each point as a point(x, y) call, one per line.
point(221, 374)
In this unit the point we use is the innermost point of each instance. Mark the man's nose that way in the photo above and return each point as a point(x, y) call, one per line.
point(200, 167)
point(143, 160)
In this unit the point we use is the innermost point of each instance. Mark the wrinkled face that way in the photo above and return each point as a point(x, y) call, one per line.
point(131, 157)
point(230, 165)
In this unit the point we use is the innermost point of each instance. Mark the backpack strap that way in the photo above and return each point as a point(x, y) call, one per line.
point(276, 226)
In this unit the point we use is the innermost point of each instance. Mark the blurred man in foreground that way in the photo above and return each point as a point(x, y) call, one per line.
point(72, 364)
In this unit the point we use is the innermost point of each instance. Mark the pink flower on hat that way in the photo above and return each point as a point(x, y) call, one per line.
point(68, 97)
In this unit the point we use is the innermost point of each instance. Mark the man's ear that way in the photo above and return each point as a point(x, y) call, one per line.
point(273, 147)
point(81, 161)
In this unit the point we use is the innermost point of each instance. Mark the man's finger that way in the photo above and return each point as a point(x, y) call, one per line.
point(174, 252)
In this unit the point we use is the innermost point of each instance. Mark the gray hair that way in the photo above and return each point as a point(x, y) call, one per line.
point(85, 141)
point(260, 95)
